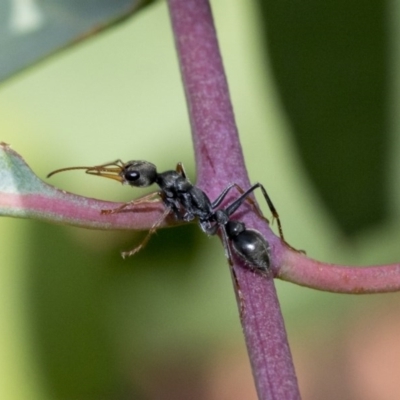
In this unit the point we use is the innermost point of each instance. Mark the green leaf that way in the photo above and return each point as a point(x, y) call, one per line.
point(33, 29)
point(331, 63)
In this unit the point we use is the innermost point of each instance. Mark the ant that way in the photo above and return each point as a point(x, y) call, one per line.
point(188, 202)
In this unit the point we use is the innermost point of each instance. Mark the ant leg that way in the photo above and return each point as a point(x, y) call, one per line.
point(228, 255)
point(231, 208)
point(244, 197)
point(181, 170)
point(238, 292)
point(143, 199)
point(241, 191)
point(221, 197)
point(224, 193)
point(225, 242)
point(155, 226)
point(272, 208)
point(275, 214)
point(236, 204)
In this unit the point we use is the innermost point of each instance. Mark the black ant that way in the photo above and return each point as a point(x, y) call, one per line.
point(188, 202)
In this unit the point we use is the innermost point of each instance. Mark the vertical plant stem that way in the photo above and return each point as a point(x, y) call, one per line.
point(219, 161)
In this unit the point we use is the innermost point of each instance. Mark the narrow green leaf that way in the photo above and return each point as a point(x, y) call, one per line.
point(332, 68)
point(31, 30)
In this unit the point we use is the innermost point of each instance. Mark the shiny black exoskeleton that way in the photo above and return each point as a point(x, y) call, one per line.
point(188, 202)
point(185, 200)
point(249, 244)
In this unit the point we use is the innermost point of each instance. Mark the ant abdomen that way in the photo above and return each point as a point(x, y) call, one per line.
point(249, 245)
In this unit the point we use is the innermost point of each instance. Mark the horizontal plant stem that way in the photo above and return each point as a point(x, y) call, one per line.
point(299, 269)
point(85, 212)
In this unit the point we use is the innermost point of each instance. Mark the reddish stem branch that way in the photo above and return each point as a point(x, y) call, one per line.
point(298, 268)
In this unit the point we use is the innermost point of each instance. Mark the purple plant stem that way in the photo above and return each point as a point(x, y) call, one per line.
point(219, 161)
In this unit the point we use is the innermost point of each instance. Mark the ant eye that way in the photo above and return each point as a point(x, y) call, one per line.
point(131, 176)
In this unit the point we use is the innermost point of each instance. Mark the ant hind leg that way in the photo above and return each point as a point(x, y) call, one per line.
point(244, 197)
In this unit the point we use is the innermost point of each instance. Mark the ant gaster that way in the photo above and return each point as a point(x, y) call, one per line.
point(188, 202)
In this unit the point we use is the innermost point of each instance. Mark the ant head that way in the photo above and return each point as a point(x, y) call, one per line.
point(138, 173)
point(133, 173)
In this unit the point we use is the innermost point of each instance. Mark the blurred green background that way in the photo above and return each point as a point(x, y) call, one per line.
point(78, 322)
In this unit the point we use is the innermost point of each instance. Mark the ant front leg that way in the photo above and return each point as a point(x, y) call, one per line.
point(148, 198)
point(152, 230)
